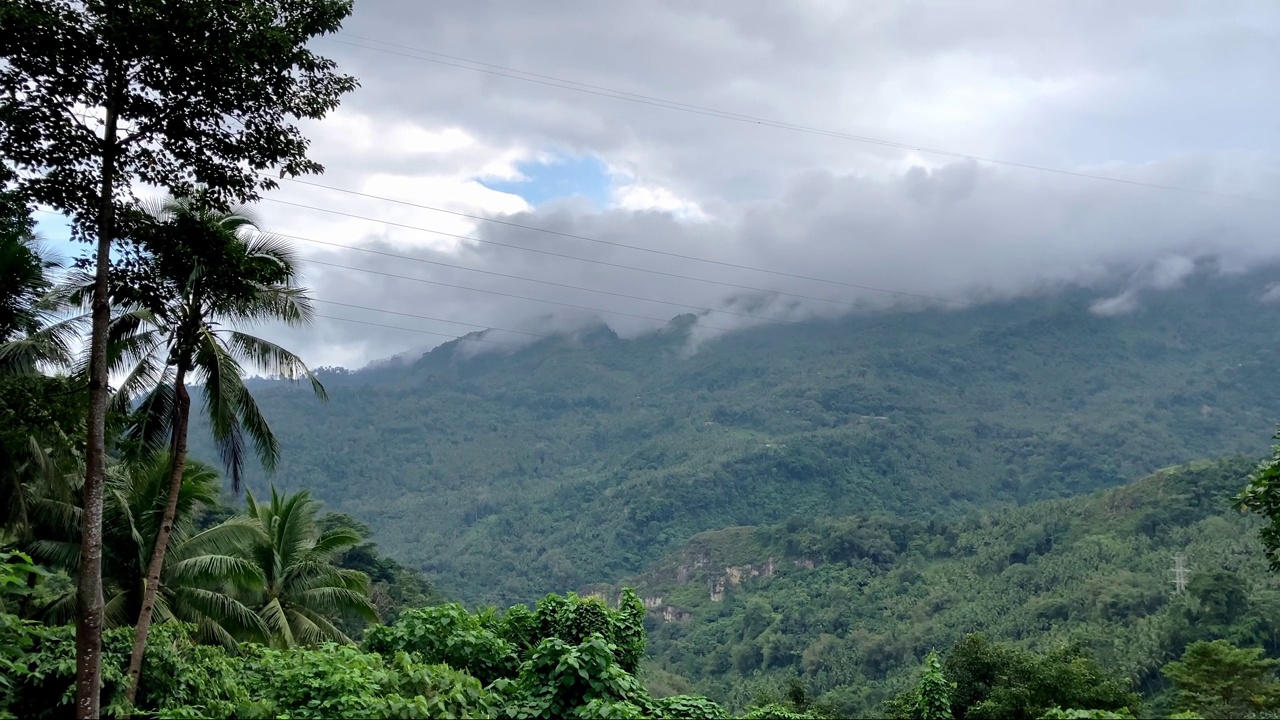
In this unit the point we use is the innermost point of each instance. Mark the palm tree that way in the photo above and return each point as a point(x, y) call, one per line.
point(41, 413)
point(207, 569)
point(304, 592)
point(194, 275)
point(31, 333)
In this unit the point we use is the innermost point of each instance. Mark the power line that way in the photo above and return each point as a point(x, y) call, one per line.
point(502, 294)
point(533, 280)
point(539, 251)
point(491, 292)
point(427, 317)
point(415, 330)
point(605, 263)
point(611, 243)
point(575, 86)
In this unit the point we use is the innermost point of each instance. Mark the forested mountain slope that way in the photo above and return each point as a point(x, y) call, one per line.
point(851, 605)
point(579, 460)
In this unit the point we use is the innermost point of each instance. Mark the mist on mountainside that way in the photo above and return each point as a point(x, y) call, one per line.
point(577, 459)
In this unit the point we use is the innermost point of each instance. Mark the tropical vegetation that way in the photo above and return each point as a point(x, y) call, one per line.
point(1004, 511)
point(192, 277)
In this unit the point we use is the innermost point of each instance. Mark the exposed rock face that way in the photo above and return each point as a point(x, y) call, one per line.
point(717, 585)
point(670, 614)
point(734, 575)
point(685, 570)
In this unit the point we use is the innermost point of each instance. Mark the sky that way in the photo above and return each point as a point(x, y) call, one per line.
point(642, 140)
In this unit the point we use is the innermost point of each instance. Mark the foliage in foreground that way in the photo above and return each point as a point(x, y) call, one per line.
point(568, 657)
point(1218, 679)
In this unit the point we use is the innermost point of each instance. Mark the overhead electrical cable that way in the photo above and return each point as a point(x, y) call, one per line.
point(551, 283)
point(611, 243)
point(435, 319)
point(502, 294)
point(650, 271)
point(510, 295)
point(415, 330)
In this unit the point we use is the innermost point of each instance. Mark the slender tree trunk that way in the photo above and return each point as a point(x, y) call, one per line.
point(89, 599)
point(178, 458)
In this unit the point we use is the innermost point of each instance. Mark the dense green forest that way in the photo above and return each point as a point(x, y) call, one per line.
point(509, 475)
point(850, 606)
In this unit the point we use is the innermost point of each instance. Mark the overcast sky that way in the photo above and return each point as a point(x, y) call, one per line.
point(1161, 92)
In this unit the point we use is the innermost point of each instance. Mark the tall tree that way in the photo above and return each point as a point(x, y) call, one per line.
point(304, 592)
point(96, 95)
point(195, 275)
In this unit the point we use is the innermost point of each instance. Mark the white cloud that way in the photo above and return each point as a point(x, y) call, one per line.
point(1122, 304)
point(637, 197)
point(1137, 90)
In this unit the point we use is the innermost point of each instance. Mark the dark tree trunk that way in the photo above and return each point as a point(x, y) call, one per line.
point(178, 463)
point(89, 599)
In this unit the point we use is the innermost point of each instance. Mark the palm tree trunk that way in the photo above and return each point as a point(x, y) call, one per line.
point(181, 415)
point(89, 600)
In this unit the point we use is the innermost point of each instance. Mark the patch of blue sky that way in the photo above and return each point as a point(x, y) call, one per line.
point(561, 177)
point(54, 232)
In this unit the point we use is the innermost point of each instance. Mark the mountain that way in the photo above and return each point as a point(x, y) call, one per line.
point(581, 459)
point(849, 606)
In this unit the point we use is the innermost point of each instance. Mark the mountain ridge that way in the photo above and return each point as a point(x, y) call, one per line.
point(580, 459)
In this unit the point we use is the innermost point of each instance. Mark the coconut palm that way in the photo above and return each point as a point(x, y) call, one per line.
point(195, 274)
point(207, 569)
point(42, 412)
point(31, 331)
point(303, 592)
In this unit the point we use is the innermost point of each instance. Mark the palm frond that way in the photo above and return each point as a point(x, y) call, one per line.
point(312, 628)
point(334, 601)
point(116, 611)
point(252, 422)
point(208, 570)
point(307, 574)
point(223, 386)
point(273, 359)
point(60, 554)
point(336, 540)
point(51, 344)
point(230, 537)
point(288, 304)
point(127, 513)
point(295, 526)
point(61, 609)
point(151, 422)
point(210, 632)
point(58, 515)
point(277, 248)
point(236, 618)
point(277, 623)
